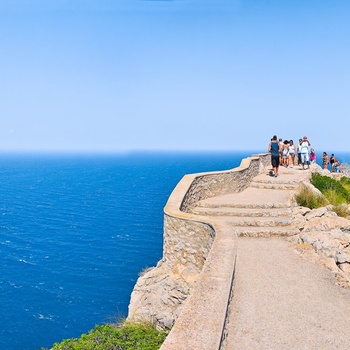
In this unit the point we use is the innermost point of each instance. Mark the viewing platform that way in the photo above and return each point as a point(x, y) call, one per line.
point(254, 290)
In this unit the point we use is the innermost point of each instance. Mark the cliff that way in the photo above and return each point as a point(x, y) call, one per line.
point(199, 255)
point(160, 292)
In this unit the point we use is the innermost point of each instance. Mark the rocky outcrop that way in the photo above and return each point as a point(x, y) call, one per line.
point(158, 296)
point(324, 237)
point(159, 293)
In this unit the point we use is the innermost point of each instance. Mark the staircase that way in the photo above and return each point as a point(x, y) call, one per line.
point(263, 209)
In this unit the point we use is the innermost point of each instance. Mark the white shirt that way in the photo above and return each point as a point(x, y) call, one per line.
point(304, 147)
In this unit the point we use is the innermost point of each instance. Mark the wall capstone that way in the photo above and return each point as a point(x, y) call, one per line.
point(160, 293)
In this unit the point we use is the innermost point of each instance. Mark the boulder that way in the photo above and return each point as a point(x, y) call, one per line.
point(159, 295)
point(325, 239)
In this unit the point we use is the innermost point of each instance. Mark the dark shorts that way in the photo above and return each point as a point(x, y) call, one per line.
point(275, 161)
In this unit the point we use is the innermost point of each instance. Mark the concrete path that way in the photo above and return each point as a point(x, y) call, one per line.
point(280, 300)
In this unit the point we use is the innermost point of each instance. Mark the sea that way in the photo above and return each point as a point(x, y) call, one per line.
point(75, 232)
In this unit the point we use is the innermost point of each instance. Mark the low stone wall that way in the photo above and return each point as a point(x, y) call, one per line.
point(207, 185)
point(159, 295)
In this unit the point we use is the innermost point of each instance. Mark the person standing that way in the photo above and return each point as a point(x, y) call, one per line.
point(274, 149)
point(299, 154)
point(331, 162)
point(292, 151)
point(312, 156)
point(325, 160)
point(304, 153)
point(336, 165)
point(285, 153)
point(280, 144)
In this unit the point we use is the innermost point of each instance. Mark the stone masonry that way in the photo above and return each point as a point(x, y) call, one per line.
point(191, 288)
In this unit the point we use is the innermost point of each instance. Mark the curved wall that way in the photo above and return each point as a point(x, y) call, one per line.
point(189, 243)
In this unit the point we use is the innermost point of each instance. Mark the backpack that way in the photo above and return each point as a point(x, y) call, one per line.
point(285, 151)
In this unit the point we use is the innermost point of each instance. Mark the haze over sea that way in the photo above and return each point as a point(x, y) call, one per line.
point(76, 230)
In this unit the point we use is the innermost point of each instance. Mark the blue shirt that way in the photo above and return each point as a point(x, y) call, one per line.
point(275, 149)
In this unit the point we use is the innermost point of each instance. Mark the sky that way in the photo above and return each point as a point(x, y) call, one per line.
point(188, 75)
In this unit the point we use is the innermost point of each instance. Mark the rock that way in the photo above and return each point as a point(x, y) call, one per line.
point(316, 213)
point(345, 267)
point(329, 237)
point(342, 257)
point(325, 223)
point(159, 294)
point(300, 211)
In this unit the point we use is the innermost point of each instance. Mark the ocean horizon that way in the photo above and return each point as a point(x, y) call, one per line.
point(76, 230)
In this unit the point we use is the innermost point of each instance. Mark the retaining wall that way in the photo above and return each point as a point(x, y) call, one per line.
point(188, 237)
point(201, 324)
point(196, 254)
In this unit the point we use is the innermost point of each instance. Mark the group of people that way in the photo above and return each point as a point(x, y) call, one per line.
point(284, 153)
point(332, 160)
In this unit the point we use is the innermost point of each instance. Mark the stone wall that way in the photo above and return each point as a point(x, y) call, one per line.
point(160, 293)
point(186, 245)
point(213, 184)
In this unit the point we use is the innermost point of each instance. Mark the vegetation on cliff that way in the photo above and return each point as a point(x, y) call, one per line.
point(126, 336)
point(334, 192)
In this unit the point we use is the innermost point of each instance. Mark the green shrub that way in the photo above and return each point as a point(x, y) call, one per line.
point(127, 336)
point(335, 192)
point(307, 198)
point(332, 189)
point(334, 197)
point(345, 181)
point(341, 210)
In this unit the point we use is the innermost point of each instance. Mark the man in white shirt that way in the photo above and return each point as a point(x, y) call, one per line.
point(304, 153)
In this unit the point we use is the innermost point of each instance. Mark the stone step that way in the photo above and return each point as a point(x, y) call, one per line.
point(250, 198)
point(259, 221)
point(284, 178)
point(274, 186)
point(242, 212)
point(277, 180)
point(242, 231)
point(248, 205)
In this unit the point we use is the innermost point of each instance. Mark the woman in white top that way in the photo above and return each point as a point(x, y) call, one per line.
point(285, 153)
point(292, 151)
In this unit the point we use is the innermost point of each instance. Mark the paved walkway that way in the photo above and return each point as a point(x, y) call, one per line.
point(281, 300)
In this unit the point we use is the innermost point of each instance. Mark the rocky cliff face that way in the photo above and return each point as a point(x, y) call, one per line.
point(158, 296)
point(160, 292)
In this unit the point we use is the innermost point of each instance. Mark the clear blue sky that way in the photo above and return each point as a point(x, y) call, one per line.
point(110, 75)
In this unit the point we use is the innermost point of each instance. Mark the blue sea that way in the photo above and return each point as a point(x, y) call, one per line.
point(75, 232)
